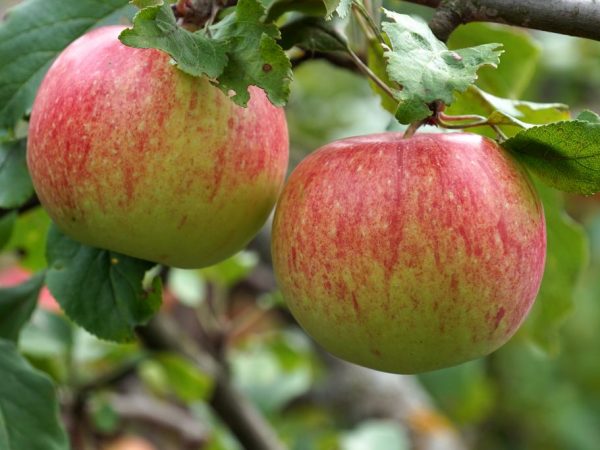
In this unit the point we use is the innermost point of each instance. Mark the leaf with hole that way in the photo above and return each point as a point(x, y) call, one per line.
point(155, 26)
point(426, 69)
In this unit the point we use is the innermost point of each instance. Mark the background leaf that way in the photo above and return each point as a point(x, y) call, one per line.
point(313, 8)
point(16, 306)
point(168, 374)
point(15, 183)
point(566, 259)
point(373, 434)
point(589, 116)
point(28, 239)
point(98, 289)
point(32, 35)
point(28, 405)
point(7, 223)
point(477, 101)
point(311, 34)
point(517, 63)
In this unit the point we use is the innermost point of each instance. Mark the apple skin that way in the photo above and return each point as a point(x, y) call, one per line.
point(130, 443)
point(128, 153)
point(409, 255)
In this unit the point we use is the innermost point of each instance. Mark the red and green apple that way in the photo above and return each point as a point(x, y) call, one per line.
point(130, 154)
point(408, 255)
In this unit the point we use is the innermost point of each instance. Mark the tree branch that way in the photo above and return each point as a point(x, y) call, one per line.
point(32, 203)
point(138, 407)
point(361, 393)
point(240, 415)
point(571, 17)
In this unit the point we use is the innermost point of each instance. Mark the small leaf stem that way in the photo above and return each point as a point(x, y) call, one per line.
point(446, 121)
point(460, 118)
point(368, 25)
point(368, 72)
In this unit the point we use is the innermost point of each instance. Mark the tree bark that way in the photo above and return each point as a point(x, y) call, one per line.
point(579, 18)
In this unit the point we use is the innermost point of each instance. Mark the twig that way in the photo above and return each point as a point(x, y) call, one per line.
point(139, 407)
point(32, 203)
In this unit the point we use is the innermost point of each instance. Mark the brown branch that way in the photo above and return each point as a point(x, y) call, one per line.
point(32, 203)
point(161, 414)
point(570, 17)
point(361, 393)
point(195, 14)
point(234, 409)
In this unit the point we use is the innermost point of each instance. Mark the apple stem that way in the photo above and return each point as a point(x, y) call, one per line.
point(413, 127)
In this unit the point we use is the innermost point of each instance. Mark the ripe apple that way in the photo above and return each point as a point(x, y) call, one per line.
point(408, 255)
point(128, 153)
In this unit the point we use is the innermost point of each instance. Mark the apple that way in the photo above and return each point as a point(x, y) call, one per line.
point(130, 443)
point(15, 275)
point(408, 255)
point(130, 154)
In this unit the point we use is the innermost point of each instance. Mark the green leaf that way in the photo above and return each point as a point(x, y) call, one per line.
point(311, 34)
point(343, 7)
point(517, 63)
point(516, 113)
point(195, 53)
point(187, 286)
point(567, 256)
point(32, 35)
point(426, 69)
point(47, 342)
point(274, 370)
point(29, 416)
point(530, 112)
point(378, 64)
point(231, 270)
point(386, 434)
point(168, 373)
point(564, 155)
point(15, 183)
point(16, 306)
point(315, 8)
point(255, 58)
point(29, 238)
point(464, 392)
point(7, 223)
point(98, 289)
point(589, 116)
